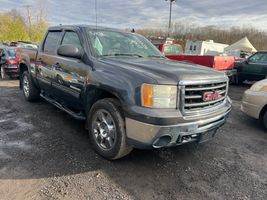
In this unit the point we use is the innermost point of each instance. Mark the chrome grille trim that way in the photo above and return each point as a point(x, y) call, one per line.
point(206, 88)
point(191, 95)
point(203, 104)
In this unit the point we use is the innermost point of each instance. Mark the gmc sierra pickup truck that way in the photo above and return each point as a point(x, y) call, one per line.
point(128, 93)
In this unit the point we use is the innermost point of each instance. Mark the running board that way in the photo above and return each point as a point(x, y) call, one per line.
point(78, 116)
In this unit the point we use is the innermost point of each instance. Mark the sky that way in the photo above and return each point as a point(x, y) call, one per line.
point(149, 13)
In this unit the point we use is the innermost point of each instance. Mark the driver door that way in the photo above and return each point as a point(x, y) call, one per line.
point(69, 74)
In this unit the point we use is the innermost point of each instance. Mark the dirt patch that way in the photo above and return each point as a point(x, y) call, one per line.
point(45, 154)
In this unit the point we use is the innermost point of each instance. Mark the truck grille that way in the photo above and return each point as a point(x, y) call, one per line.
point(197, 97)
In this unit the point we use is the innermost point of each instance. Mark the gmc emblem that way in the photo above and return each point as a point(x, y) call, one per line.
point(209, 96)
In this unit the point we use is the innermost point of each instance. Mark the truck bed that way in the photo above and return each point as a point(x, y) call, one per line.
point(216, 62)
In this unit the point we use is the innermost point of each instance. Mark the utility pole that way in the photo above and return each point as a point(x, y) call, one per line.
point(29, 17)
point(170, 16)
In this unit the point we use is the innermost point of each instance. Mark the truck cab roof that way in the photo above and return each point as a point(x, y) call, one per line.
point(93, 27)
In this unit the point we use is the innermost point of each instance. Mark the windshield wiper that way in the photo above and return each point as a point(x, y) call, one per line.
point(124, 54)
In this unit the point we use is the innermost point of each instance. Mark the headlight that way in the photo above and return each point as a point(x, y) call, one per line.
point(159, 96)
point(259, 86)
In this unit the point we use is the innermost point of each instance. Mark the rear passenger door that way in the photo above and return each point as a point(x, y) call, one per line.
point(70, 73)
point(46, 59)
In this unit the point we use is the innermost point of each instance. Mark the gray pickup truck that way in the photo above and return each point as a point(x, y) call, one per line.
point(128, 93)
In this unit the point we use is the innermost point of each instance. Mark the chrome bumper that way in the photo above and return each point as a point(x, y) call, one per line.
point(143, 135)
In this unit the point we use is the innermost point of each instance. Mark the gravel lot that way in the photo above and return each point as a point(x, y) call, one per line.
point(45, 154)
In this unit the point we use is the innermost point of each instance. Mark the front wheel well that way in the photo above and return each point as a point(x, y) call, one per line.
point(97, 94)
point(263, 110)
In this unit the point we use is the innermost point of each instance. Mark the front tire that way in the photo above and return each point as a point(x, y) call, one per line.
point(107, 129)
point(30, 91)
point(264, 119)
point(3, 73)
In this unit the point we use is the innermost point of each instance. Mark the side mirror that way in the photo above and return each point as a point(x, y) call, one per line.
point(71, 51)
point(247, 61)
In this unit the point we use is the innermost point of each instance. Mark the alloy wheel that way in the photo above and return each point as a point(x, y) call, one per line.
point(104, 129)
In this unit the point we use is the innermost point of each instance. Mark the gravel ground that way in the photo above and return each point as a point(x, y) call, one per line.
point(45, 154)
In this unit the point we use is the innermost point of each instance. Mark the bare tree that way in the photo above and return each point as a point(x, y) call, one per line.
point(183, 31)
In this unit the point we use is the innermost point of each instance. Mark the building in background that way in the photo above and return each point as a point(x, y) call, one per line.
point(209, 47)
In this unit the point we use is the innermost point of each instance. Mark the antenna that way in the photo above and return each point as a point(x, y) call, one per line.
point(96, 14)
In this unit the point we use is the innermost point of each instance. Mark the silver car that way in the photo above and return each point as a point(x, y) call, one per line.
point(254, 102)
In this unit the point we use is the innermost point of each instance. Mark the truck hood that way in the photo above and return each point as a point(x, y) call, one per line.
point(164, 71)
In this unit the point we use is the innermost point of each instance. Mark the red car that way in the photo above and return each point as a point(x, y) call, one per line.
point(8, 62)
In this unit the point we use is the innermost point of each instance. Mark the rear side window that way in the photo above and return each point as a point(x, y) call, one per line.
point(72, 38)
point(51, 41)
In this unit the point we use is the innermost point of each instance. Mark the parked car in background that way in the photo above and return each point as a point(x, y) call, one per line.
point(253, 68)
point(24, 44)
point(254, 102)
point(9, 62)
point(129, 94)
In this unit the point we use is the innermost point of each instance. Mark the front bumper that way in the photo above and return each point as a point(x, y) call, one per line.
point(253, 102)
point(144, 135)
point(11, 71)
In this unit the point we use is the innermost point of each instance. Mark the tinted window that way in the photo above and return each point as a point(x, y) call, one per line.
point(71, 38)
point(52, 41)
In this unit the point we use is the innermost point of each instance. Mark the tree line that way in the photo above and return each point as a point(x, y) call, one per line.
point(23, 26)
point(188, 31)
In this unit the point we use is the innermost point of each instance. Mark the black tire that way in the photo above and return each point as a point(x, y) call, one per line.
point(120, 147)
point(240, 81)
point(232, 80)
point(3, 73)
point(32, 93)
point(264, 120)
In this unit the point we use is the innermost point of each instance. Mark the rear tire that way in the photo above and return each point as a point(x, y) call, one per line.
point(30, 91)
point(107, 129)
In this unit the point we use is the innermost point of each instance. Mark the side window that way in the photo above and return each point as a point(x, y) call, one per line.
point(51, 41)
point(256, 58)
point(72, 38)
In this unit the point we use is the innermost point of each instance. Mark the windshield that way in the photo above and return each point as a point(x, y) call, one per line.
point(11, 53)
point(113, 43)
point(172, 49)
